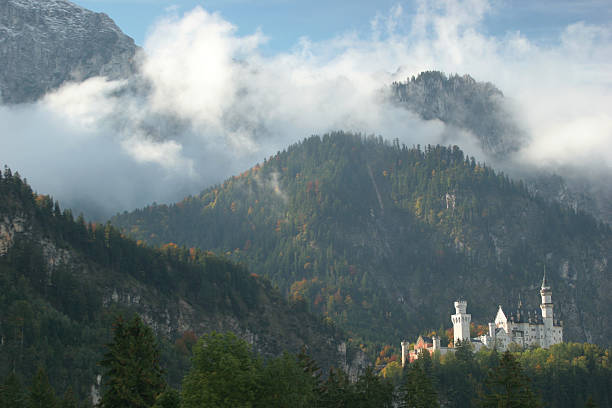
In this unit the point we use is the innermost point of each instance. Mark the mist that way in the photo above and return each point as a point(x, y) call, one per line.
point(208, 104)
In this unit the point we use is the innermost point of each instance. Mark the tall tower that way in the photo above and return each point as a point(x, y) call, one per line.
point(547, 312)
point(461, 321)
point(405, 352)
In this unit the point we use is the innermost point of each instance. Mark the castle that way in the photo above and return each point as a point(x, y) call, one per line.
point(523, 329)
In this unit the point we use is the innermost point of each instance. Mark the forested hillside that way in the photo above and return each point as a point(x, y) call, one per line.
point(382, 238)
point(62, 283)
point(482, 110)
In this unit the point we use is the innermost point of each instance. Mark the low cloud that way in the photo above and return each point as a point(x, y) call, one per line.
point(214, 105)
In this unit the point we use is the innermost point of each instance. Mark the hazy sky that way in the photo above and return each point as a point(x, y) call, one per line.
point(233, 82)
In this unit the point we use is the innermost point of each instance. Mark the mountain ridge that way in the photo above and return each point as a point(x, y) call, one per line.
point(362, 228)
point(63, 280)
point(45, 44)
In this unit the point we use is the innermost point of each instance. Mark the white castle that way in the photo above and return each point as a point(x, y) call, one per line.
point(523, 329)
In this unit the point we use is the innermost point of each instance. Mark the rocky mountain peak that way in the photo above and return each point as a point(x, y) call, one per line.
point(465, 103)
point(46, 43)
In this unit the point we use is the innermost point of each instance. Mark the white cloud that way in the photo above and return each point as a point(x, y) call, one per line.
point(217, 104)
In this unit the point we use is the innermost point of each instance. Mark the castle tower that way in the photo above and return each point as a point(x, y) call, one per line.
point(461, 321)
point(405, 352)
point(547, 313)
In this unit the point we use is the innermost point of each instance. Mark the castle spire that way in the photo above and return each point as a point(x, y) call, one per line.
point(544, 283)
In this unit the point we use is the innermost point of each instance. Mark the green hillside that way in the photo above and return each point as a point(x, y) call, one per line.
point(382, 238)
point(62, 282)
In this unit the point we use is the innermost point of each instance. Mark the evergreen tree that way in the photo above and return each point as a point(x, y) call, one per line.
point(337, 391)
point(285, 383)
point(168, 399)
point(41, 393)
point(134, 377)
point(225, 373)
point(68, 401)
point(11, 393)
point(373, 391)
point(507, 386)
point(418, 389)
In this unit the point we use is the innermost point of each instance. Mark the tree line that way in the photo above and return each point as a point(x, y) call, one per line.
point(226, 372)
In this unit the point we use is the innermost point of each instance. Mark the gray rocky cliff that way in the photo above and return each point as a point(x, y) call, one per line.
point(462, 102)
point(43, 44)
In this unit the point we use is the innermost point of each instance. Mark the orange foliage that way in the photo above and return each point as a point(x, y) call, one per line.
point(169, 245)
point(186, 342)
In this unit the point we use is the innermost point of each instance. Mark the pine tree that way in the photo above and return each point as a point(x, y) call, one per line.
point(418, 390)
point(41, 394)
point(69, 400)
point(373, 391)
point(336, 391)
point(134, 377)
point(507, 386)
point(11, 393)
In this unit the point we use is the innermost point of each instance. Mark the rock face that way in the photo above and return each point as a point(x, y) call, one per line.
point(46, 43)
point(462, 102)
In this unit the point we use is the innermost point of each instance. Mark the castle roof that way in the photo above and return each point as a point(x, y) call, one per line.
point(520, 316)
point(426, 339)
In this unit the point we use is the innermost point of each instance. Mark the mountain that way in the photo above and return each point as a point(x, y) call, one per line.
point(62, 282)
point(46, 43)
point(464, 103)
point(481, 109)
point(382, 238)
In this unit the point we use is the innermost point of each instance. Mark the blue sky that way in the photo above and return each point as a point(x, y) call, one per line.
point(285, 21)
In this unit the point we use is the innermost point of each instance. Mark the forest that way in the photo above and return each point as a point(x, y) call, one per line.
point(226, 372)
point(337, 237)
point(360, 228)
point(63, 281)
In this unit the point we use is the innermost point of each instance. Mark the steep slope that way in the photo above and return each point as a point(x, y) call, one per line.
point(383, 238)
point(62, 282)
point(464, 103)
point(481, 109)
point(46, 43)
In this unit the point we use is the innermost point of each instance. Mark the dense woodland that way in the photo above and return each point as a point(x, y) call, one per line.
point(59, 278)
point(381, 238)
point(354, 229)
point(225, 372)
